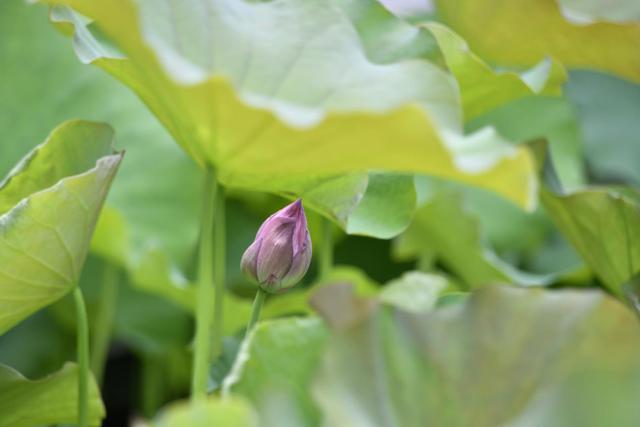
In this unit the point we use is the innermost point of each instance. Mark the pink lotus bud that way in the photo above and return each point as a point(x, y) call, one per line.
point(281, 252)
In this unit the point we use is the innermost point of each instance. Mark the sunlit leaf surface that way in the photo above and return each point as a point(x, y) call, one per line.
point(49, 205)
point(263, 125)
point(483, 89)
point(521, 33)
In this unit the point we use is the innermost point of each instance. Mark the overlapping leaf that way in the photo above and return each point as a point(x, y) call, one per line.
point(482, 89)
point(473, 364)
point(388, 39)
point(49, 207)
point(460, 364)
point(50, 400)
point(263, 125)
point(524, 32)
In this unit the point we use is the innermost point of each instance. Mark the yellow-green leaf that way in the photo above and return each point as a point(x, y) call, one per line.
point(51, 203)
point(483, 89)
point(241, 101)
point(521, 33)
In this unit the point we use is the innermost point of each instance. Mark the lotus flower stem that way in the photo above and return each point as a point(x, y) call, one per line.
point(255, 310)
point(104, 319)
point(326, 250)
point(219, 264)
point(205, 289)
point(82, 328)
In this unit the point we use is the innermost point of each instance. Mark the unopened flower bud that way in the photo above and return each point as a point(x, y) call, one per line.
point(281, 252)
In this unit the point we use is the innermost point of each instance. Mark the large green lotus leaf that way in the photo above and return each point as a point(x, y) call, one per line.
point(275, 368)
point(49, 400)
point(263, 125)
point(521, 33)
point(604, 227)
point(607, 109)
point(230, 412)
point(504, 356)
point(44, 237)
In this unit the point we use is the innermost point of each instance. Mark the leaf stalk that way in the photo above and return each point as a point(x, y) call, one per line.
point(82, 328)
point(210, 285)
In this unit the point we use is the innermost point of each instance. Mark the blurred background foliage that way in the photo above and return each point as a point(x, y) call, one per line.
point(143, 253)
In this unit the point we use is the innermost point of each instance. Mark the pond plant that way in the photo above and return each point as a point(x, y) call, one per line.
point(464, 173)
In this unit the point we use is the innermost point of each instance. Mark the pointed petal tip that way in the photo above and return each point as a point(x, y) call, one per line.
point(294, 209)
point(297, 205)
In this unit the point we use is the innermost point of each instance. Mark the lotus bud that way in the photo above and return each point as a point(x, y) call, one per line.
point(281, 252)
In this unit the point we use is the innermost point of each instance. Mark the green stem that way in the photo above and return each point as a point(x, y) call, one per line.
point(255, 310)
point(204, 292)
point(326, 250)
point(211, 260)
point(104, 319)
point(82, 326)
point(219, 264)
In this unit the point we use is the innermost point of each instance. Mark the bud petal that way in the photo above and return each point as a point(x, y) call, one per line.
point(299, 267)
point(249, 261)
point(276, 253)
point(281, 253)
